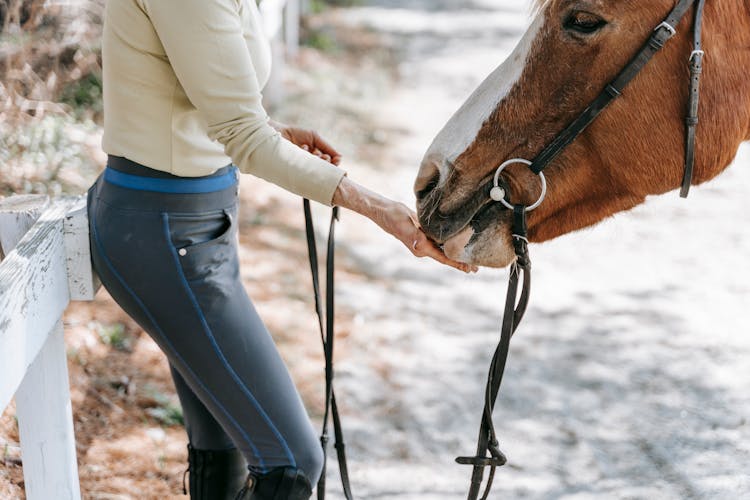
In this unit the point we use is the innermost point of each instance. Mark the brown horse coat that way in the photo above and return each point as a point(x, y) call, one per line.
point(634, 149)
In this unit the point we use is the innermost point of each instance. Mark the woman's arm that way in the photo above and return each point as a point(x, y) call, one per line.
point(393, 217)
point(205, 44)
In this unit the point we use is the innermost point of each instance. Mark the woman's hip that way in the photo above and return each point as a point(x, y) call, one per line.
point(129, 186)
point(147, 226)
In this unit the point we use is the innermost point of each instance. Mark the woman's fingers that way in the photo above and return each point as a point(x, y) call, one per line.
point(311, 142)
point(324, 147)
point(423, 247)
point(323, 156)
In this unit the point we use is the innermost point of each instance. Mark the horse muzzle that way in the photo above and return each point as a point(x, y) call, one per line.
point(475, 231)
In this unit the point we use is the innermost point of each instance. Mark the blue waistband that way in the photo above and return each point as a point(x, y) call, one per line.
point(185, 185)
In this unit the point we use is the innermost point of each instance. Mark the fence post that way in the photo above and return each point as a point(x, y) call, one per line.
point(45, 424)
point(43, 407)
point(273, 20)
point(291, 27)
point(83, 282)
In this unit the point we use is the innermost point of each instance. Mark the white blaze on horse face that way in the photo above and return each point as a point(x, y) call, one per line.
point(462, 129)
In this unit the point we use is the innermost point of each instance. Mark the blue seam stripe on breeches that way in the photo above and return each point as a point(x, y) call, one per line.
point(173, 186)
point(176, 353)
point(217, 349)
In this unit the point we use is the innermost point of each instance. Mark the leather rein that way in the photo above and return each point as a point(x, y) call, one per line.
point(488, 452)
point(327, 337)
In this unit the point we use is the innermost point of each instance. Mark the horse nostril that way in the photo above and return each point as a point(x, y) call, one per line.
point(427, 189)
point(427, 179)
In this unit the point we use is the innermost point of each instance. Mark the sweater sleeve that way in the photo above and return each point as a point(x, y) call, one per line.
point(204, 42)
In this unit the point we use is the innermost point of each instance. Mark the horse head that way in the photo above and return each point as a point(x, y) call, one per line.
point(572, 49)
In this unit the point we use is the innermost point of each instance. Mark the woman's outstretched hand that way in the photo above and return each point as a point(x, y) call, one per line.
point(395, 218)
point(401, 222)
point(310, 141)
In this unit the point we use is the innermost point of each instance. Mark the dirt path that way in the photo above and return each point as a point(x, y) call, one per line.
point(630, 377)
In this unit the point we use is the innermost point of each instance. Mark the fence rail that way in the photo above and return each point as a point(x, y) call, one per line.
point(46, 265)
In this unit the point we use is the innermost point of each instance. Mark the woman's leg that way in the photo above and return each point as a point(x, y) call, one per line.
point(216, 467)
point(203, 430)
point(189, 298)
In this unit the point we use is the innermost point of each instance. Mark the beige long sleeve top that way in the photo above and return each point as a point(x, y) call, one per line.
point(182, 94)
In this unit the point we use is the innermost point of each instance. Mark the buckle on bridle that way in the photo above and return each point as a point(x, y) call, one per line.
point(498, 461)
point(668, 27)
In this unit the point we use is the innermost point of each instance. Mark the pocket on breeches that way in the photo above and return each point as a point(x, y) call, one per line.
point(205, 245)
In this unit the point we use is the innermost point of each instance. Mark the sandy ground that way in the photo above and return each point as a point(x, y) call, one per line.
point(629, 378)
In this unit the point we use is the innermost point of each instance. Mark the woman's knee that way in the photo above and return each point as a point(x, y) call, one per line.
point(310, 460)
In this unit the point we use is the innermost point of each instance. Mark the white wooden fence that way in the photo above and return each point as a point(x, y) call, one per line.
point(46, 265)
point(281, 19)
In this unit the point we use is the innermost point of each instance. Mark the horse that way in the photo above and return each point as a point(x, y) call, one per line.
point(634, 149)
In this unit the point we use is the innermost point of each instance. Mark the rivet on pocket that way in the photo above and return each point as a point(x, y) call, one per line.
point(182, 252)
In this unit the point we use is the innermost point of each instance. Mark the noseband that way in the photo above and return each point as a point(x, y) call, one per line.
point(488, 451)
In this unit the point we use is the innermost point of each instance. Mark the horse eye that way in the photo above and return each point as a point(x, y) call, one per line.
point(583, 22)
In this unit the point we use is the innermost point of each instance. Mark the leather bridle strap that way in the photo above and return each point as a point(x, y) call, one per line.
point(487, 443)
point(327, 338)
point(613, 90)
point(691, 120)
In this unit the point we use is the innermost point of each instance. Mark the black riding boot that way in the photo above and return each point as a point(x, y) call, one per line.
point(285, 483)
point(215, 475)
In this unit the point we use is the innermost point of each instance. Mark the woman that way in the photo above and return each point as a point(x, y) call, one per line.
point(183, 116)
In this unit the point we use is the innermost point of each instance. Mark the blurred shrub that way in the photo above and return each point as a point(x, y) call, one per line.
point(336, 3)
point(50, 91)
point(167, 410)
point(26, 14)
point(46, 46)
point(85, 96)
point(319, 39)
point(115, 336)
point(49, 154)
point(317, 6)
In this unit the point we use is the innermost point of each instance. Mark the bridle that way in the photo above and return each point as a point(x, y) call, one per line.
point(488, 451)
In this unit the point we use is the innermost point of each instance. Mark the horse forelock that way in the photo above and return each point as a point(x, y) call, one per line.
point(538, 5)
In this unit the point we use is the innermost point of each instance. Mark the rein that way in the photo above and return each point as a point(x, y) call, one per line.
point(488, 451)
point(327, 337)
point(512, 316)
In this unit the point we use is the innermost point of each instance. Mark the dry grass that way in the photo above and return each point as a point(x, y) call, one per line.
point(45, 46)
point(49, 92)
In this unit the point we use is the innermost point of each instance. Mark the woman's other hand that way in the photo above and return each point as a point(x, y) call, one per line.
point(395, 218)
point(310, 141)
